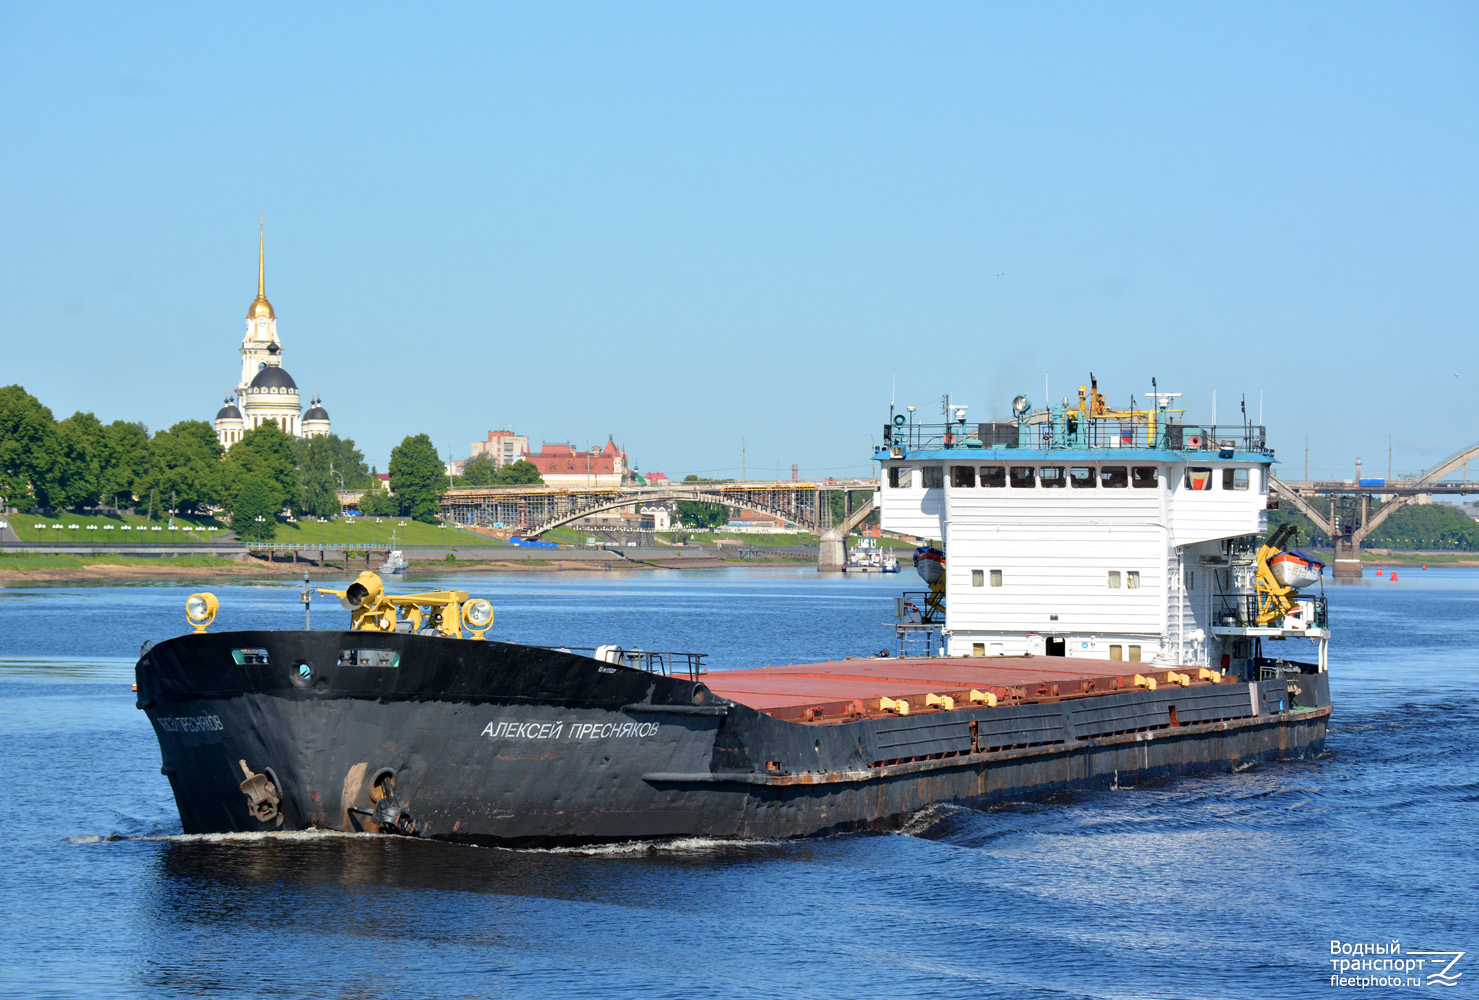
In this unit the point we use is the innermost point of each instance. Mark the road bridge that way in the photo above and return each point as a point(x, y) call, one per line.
point(533, 510)
point(1356, 496)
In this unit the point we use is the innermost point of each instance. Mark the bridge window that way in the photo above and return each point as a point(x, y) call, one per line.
point(994, 476)
point(996, 578)
point(1114, 579)
point(934, 477)
point(1052, 477)
point(1198, 479)
point(1023, 476)
point(1115, 477)
point(1235, 479)
point(962, 476)
point(1082, 477)
point(1132, 579)
point(893, 477)
point(978, 578)
point(1144, 477)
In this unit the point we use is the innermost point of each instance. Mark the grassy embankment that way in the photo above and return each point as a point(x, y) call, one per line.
point(108, 529)
point(376, 530)
point(565, 536)
point(19, 561)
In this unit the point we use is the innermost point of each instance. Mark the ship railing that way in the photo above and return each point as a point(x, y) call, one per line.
point(1076, 435)
point(668, 663)
point(1241, 610)
point(916, 609)
point(1272, 669)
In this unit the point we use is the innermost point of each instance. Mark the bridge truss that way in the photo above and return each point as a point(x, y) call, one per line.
point(533, 510)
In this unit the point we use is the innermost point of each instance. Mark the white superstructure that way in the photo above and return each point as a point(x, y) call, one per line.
point(1091, 532)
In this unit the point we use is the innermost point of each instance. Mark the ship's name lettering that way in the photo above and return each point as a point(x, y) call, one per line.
point(573, 731)
point(191, 724)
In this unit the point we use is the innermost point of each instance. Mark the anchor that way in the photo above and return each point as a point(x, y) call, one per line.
point(262, 797)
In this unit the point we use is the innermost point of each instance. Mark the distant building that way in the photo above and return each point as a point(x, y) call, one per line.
point(504, 447)
point(755, 522)
point(562, 465)
point(266, 391)
point(655, 479)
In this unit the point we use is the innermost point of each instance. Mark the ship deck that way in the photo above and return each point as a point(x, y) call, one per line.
point(838, 690)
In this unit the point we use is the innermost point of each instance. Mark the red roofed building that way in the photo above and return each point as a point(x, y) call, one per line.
point(562, 465)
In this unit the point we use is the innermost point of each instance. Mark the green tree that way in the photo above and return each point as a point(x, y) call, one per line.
point(417, 478)
point(316, 477)
point(81, 454)
point(349, 469)
point(184, 468)
point(699, 514)
point(28, 448)
point(126, 461)
point(520, 473)
point(377, 502)
point(480, 470)
point(265, 452)
point(256, 497)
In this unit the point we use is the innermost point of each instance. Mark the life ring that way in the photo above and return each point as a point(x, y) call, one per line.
point(1194, 442)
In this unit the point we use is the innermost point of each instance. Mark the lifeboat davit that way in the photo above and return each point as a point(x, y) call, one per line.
point(929, 562)
point(1295, 569)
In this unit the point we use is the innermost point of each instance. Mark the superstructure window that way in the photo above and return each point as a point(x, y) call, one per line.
point(1144, 477)
point(962, 476)
point(1114, 579)
point(1114, 477)
point(934, 477)
point(1199, 480)
point(1135, 653)
point(893, 477)
point(1051, 477)
point(978, 578)
point(1235, 479)
point(996, 578)
point(978, 649)
point(1116, 652)
point(1082, 477)
point(994, 476)
point(1023, 476)
point(1132, 579)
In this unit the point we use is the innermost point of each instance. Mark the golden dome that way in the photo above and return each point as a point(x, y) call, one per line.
point(260, 307)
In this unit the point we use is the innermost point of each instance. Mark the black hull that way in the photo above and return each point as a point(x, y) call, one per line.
point(505, 744)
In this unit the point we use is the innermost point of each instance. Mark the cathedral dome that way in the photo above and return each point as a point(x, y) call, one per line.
point(228, 412)
point(273, 377)
point(316, 413)
point(260, 309)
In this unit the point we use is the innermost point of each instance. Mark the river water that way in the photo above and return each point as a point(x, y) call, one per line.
point(1230, 886)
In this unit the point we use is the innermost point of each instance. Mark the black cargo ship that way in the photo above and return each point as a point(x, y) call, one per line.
point(425, 734)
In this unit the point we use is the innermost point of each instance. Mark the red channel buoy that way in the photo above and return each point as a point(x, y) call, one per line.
point(1393, 577)
point(1378, 571)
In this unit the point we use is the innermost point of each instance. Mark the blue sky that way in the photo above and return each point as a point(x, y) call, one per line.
point(699, 227)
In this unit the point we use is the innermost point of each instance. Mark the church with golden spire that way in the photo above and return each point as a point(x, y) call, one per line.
point(266, 390)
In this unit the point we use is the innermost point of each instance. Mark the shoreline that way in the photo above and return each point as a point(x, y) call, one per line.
point(294, 572)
